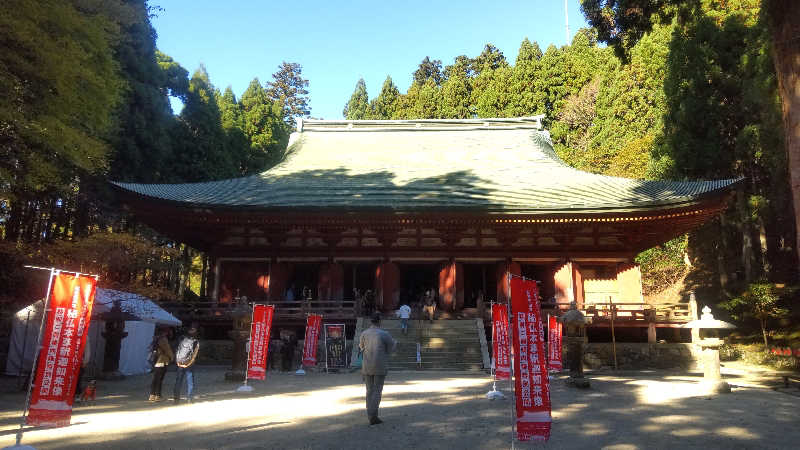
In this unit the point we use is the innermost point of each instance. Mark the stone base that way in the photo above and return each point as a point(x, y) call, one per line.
point(234, 376)
point(578, 382)
point(716, 387)
point(111, 376)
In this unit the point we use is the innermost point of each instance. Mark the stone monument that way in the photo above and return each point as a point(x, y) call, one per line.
point(242, 316)
point(575, 329)
point(114, 334)
point(709, 343)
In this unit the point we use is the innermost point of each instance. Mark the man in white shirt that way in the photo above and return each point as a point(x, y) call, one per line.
point(404, 313)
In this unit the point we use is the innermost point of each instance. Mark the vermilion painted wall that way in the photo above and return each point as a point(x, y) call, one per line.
point(387, 286)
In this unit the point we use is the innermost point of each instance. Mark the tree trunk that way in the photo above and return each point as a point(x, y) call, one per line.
point(785, 28)
point(764, 246)
point(764, 333)
point(747, 236)
point(721, 248)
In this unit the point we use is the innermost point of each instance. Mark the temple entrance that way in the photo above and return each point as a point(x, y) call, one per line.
point(303, 278)
point(479, 279)
point(542, 273)
point(415, 279)
point(360, 275)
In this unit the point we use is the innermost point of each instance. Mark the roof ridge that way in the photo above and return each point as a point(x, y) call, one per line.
point(503, 123)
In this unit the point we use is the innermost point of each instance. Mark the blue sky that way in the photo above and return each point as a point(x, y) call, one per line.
point(339, 42)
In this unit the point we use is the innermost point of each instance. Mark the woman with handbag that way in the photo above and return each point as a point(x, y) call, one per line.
point(164, 356)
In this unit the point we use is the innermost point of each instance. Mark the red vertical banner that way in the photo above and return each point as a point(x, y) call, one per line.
point(64, 338)
point(259, 341)
point(554, 330)
point(313, 325)
point(531, 382)
point(502, 360)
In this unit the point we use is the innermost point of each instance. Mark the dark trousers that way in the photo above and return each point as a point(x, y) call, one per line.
point(374, 390)
point(79, 386)
point(158, 380)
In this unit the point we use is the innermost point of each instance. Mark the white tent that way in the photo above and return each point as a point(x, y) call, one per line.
point(133, 354)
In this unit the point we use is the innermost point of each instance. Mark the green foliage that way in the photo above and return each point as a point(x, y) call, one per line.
point(357, 108)
point(384, 106)
point(757, 355)
point(141, 140)
point(761, 301)
point(428, 70)
point(664, 264)
point(58, 94)
point(288, 88)
point(263, 126)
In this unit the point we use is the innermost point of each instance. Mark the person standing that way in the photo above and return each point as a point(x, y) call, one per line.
point(430, 305)
point(164, 356)
point(404, 313)
point(376, 345)
point(184, 359)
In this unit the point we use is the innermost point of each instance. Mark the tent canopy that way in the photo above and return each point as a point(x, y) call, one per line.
point(133, 354)
point(139, 306)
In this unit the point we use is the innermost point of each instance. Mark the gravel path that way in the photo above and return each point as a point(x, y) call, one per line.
point(425, 410)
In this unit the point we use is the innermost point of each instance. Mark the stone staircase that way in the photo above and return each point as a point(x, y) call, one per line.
point(446, 345)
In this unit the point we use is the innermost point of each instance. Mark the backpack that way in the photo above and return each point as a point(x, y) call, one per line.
point(185, 350)
point(152, 353)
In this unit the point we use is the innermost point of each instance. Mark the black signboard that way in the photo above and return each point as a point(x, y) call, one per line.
point(335, 355)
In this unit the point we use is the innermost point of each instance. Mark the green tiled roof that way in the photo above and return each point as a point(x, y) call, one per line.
point(488, 165)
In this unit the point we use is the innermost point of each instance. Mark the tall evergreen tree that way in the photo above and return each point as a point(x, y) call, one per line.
point(527, 100)
point(59, 85)
point(357, 108)
point(199, 140)
point(262, 118)
point(456, 91)
point(491, 58)
point(429, 69)
point(289, 89)
point(384, 105)
point(141, 141)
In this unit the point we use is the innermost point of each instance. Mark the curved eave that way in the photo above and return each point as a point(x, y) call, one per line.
point(555, 211)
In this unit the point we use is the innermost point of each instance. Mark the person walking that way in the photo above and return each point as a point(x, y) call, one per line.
point(164, 356)
point(376, 345)
point(184, 359)
point(404, 313)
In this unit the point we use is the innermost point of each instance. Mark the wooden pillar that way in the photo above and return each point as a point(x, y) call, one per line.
point(217, 274)
point(330, 281)
point(387, 286)
point(502, 278)
point(568, 283)
point(451, 286)
point(278, 279)
point(577, 276)
point(337, 281)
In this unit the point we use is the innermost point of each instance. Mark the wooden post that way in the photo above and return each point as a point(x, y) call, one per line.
point(694, 316)
point(651, 333)
point(613, 337)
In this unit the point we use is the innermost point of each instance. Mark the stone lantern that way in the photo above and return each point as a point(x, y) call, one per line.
point(575, 329)
point(242, 316)
point(113, 334)
point(709, 343)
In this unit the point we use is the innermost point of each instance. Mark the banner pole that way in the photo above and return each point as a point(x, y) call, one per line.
point(613, 338)
point(244, 387)
point(512, 377)
point(38, 349)
point(494, 393)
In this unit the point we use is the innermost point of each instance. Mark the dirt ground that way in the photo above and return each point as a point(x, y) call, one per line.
point(425, 410)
